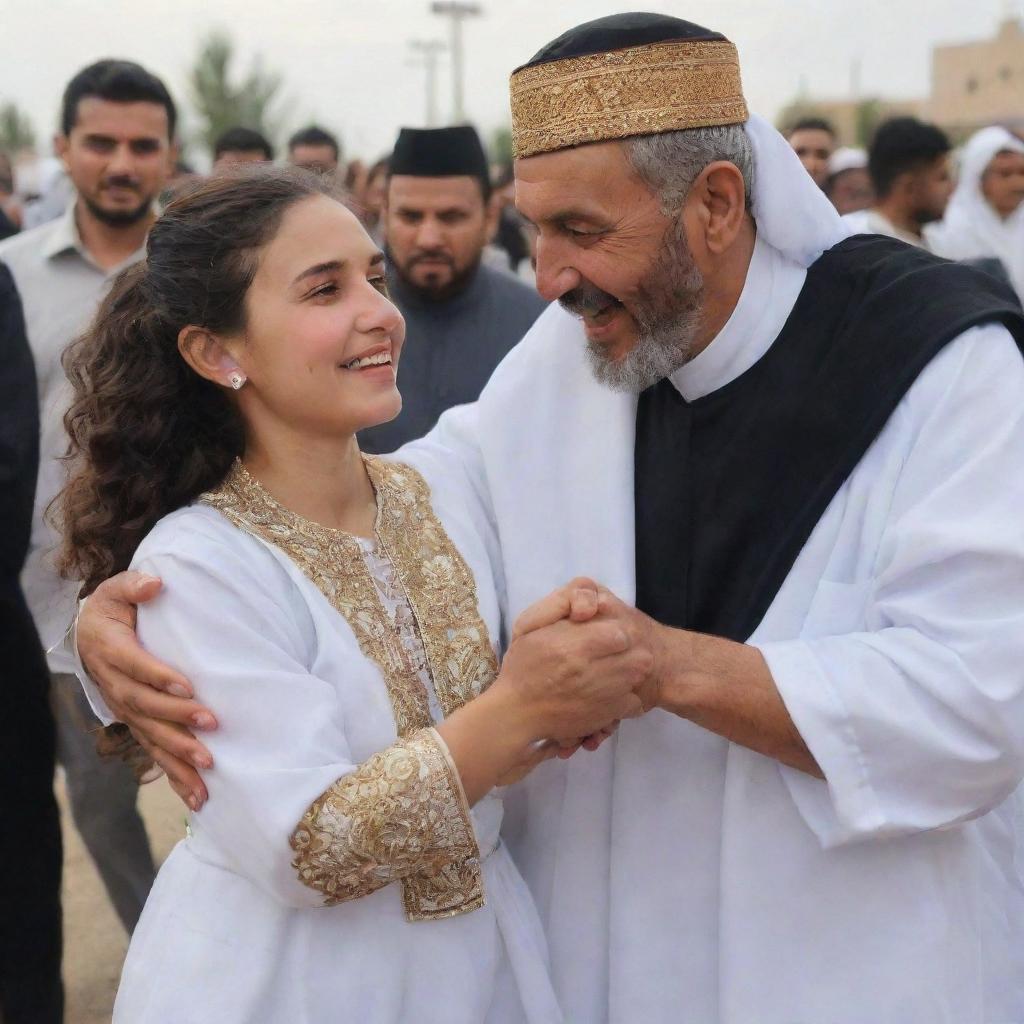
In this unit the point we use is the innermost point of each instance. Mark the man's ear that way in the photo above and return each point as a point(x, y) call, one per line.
point(173, 152)
point(905, 187)
point(61, 144)
point(722, 195)
point(207, 355)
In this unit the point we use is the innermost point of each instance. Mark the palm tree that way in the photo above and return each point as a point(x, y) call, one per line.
point(221, 104)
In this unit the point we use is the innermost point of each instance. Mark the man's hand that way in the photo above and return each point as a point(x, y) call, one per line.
point(153, 700)
point(583, 600)
point(575, 673)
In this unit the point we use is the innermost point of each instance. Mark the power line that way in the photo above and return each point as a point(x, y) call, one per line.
point(457, 11)
point(430, 51)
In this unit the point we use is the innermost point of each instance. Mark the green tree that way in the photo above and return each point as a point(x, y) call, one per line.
point(16, 131)
point(869, 114)
point(222, 104)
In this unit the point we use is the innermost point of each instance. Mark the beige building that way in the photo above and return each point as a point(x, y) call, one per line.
point(853, 120)
point(978, 84)
point(973, 85)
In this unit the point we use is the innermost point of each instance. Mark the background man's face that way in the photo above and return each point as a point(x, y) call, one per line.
point(1002, 184)
point(436, 231)
point(851, 190)
point(930, 189)
point(315, 158)
point(813, 146)
point(118, 156)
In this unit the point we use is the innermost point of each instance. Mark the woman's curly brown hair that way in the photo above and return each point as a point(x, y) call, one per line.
point(147, 434)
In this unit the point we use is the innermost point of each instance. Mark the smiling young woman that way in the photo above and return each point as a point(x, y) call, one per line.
point(336, 612)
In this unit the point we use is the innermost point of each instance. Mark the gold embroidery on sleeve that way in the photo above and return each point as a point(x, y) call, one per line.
point(462, 663)
point(401, 814)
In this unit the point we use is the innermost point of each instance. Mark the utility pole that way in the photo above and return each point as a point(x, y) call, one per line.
point(430, 51)
point(457, 11)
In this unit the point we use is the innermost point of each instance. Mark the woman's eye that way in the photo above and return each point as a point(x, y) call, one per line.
point(324, 289)
point(380, 283)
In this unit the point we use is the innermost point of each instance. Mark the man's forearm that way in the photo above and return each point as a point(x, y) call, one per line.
point(727, 688)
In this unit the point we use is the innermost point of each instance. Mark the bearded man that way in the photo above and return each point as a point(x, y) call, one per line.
point(461, 316)
point(795, 461)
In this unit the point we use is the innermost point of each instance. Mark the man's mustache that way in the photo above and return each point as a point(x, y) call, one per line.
point(120, 181)
point(434, 257)
point(586, 300)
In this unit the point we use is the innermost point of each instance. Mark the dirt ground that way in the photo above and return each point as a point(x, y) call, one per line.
point(94, 941)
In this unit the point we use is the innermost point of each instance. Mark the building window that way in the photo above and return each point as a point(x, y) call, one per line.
point(1005, 74)
point(972, 85)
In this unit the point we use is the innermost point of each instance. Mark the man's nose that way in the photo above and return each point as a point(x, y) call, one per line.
point(122, 161)
point(554, 276)
point(430, 234)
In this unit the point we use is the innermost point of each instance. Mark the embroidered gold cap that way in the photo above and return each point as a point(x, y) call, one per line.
point(624, 75)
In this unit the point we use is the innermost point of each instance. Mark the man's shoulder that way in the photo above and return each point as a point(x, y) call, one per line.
point(27, 249)
point(907, 286)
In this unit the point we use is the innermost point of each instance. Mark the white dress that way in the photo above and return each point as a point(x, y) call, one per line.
point(336, 873)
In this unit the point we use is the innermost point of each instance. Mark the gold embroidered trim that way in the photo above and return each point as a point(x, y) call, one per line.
point(400, 815)
point(333, 561)
point(442, 593)
point(641, 90)
point(438, 583)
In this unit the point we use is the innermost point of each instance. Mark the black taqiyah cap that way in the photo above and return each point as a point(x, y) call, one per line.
point(440, 153)
point(617, 32)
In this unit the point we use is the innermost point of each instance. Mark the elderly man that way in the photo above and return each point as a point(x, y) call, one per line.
point(796, 458)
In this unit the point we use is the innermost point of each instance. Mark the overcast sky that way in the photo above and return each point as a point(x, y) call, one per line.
point(347, 64)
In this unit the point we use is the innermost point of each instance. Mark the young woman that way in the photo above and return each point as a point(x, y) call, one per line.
point(337, 612)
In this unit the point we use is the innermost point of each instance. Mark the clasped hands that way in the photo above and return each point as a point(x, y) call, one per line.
point(579, 661)
point(582, 660)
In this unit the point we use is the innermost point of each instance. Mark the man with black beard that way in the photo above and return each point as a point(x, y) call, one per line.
point(117, 127)
point(461, 317)
point(911, 172)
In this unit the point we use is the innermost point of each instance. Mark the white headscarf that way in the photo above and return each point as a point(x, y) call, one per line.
point(793, 215)
point(971, 228)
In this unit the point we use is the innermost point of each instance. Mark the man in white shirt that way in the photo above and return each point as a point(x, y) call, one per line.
point(116, 145)
point(909, 163)
point(794, 459)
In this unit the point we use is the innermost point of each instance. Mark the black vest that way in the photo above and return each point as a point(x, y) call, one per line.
point(730, 486)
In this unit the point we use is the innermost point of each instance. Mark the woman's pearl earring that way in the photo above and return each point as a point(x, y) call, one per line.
point(236, 379)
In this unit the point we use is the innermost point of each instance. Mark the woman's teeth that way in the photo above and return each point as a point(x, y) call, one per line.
point(381, 359)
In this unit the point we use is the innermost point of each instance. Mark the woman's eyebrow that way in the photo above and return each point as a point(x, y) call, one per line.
point(320, 268)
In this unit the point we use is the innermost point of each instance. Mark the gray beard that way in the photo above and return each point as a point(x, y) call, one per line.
point(668, 316)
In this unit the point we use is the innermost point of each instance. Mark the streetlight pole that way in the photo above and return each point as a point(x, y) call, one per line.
point(430, 50)
point(457, 11)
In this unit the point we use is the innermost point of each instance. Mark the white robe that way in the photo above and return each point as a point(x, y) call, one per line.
point(229, 934)
point(684, 878)
point(971, 229)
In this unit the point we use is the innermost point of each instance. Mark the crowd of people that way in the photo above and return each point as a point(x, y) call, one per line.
point(741, 418)
point(913, 185)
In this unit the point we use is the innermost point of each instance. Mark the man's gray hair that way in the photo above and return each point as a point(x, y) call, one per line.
point(670, 162)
